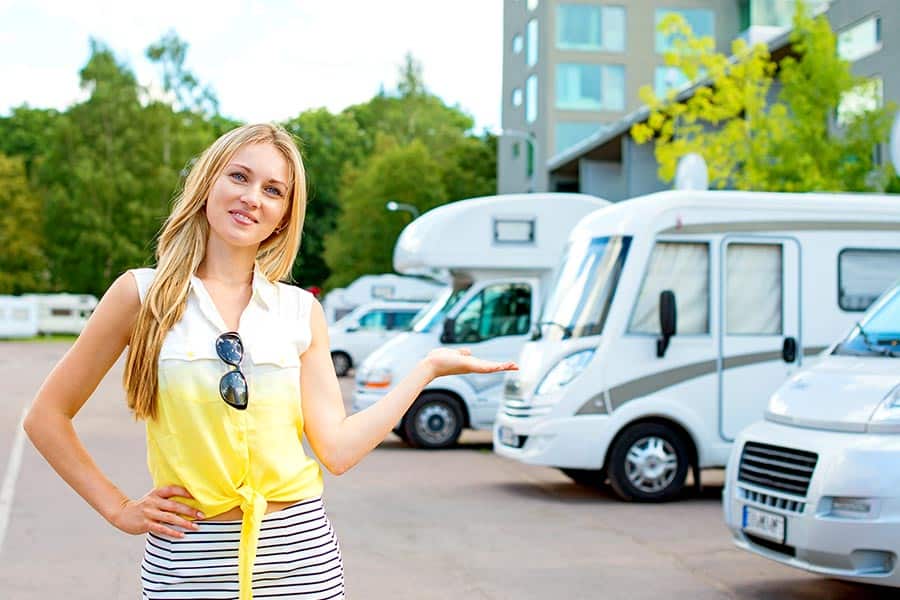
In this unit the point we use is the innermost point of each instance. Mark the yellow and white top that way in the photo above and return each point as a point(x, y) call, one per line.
point(226, 457)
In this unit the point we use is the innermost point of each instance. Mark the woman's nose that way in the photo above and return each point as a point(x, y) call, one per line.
point(250, 198)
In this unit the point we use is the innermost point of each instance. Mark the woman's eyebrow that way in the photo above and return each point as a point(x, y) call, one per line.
point(249, 170)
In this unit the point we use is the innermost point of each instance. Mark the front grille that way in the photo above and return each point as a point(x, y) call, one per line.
point(771, 501)
point(521, 409)
point(777, 468)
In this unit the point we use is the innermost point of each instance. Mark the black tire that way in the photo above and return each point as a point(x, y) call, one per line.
point(434, 421)
point(398, 431)
point(592, 478)
point(657, 467)
point(342, 363)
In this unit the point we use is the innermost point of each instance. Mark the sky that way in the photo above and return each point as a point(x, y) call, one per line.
point(266, 60)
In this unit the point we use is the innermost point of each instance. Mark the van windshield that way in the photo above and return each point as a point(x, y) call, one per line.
point(588, 275)
point(435, 311)
point(878, 334)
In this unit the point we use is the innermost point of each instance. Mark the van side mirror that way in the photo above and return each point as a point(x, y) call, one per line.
point(668, 321)
point(448, 336)
point(789, 350)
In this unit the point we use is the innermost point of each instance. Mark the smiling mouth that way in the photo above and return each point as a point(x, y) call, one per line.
point(241, 217)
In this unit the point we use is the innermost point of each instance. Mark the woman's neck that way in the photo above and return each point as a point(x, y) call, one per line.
point(227, 265)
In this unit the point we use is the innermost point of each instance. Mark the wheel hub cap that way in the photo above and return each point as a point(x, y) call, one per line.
point(651, 464)
point(435, 423)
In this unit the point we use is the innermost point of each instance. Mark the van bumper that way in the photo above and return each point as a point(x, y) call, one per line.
point(862, 548)
point(572, 442)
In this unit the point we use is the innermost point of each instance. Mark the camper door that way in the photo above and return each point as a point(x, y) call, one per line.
point(759, 324)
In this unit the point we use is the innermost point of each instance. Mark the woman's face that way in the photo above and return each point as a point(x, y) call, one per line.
point(250, 197)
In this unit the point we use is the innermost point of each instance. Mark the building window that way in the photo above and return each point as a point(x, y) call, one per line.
point(517, 43)
point(701, 22)
point(531, 98)
point(531, 34)
point(666, 79)
point(861, 99)
point(532, 4)
point(590, 87)
point(588, 27)
point(516, 97)
point(865, 274)
point(568, 134)
point(860, 40)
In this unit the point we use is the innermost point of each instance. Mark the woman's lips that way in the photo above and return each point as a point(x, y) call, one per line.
point(241, 217)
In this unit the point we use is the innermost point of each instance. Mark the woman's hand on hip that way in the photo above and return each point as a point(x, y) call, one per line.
point(449, 361)
point(157, 513)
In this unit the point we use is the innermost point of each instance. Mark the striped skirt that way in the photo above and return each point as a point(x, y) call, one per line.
point(298, 557)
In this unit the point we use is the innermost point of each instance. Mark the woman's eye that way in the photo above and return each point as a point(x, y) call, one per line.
point(238, 176)
point(274, 191)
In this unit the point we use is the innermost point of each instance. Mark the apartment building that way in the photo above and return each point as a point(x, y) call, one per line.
point(572, 70)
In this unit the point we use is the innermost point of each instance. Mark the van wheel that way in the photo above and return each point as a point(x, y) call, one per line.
point(342, 363)
point(398, 431)
point(648, 463)
point(433, 421)
point(593, 478)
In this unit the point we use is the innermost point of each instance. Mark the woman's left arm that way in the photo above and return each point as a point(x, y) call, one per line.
point(341, 441)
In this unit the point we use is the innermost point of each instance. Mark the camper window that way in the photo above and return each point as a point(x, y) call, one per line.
point(753, 295)
point(399, 321)
point(435, 312)
point(498, 310)
point(373, 321)
point(682, 267)
point(864, 274)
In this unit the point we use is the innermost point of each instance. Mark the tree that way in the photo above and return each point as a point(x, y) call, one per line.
point(364, 238)
point(328, 143)
point(752, 142)
point(22, 263)
point(170, 52)
point(26, 133)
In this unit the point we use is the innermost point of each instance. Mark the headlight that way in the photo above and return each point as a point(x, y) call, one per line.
point(564, 372)
point(376, 378)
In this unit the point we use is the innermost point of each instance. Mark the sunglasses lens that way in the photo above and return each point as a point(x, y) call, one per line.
point(233, 388)
point(229, 348)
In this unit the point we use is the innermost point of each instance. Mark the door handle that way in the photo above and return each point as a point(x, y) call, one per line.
point(789, 350)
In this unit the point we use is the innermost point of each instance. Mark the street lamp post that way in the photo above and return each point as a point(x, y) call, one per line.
point(531, 139)
point(395, 206)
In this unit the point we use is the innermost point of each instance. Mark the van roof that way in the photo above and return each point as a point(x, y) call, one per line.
point(463, 235)
point(708, 211)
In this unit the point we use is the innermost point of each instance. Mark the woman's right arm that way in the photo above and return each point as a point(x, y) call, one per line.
point(66, 389)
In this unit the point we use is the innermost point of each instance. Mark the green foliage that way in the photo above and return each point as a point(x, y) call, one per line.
point(90, 186)
point(363, 241)
point(751, 142)
point(22, 263)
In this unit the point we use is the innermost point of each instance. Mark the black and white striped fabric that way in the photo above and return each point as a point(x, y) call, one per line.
point(298, 557)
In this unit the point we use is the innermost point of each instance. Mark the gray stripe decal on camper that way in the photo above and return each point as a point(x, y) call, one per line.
point(644, 386)
point(756, 226)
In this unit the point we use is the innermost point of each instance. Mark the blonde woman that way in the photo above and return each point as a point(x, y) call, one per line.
point(229, 369)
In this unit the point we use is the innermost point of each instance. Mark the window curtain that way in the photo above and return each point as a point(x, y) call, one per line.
point(753, 298)
point(684, 269)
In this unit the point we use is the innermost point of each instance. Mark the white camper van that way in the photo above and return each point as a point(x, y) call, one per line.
point(674, 318)
point(358, 334)
point(501, 252)
point(339, 302)
point(18, 317)
point(63, 313)
point(816, 485)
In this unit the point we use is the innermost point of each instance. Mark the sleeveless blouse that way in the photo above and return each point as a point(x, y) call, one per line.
point(223, 456)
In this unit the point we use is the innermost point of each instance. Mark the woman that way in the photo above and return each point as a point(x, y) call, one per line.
point(229, 369)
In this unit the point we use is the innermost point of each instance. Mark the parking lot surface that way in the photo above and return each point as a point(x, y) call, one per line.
point(460, 523)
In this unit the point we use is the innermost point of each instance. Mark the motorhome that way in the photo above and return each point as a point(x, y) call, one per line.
point(369, 288)
point(816, 485)
point(18, 317)
point(500, 252)
point(675, 316)
point(354, 337)
point(65, 314)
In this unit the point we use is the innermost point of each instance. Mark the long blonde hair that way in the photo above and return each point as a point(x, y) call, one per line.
point(182, 245)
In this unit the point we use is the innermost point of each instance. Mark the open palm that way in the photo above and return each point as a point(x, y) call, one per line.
point(448, 361)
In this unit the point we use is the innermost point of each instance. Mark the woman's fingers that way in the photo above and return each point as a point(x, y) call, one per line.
point(178, 507)
point(172, 490)
point(162, 516)
point(160, 529)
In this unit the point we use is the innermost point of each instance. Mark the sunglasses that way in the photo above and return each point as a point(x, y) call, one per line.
point(233, 385)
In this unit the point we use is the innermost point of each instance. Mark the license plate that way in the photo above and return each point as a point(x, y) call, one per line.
point(508, 437)
point(764, 524)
